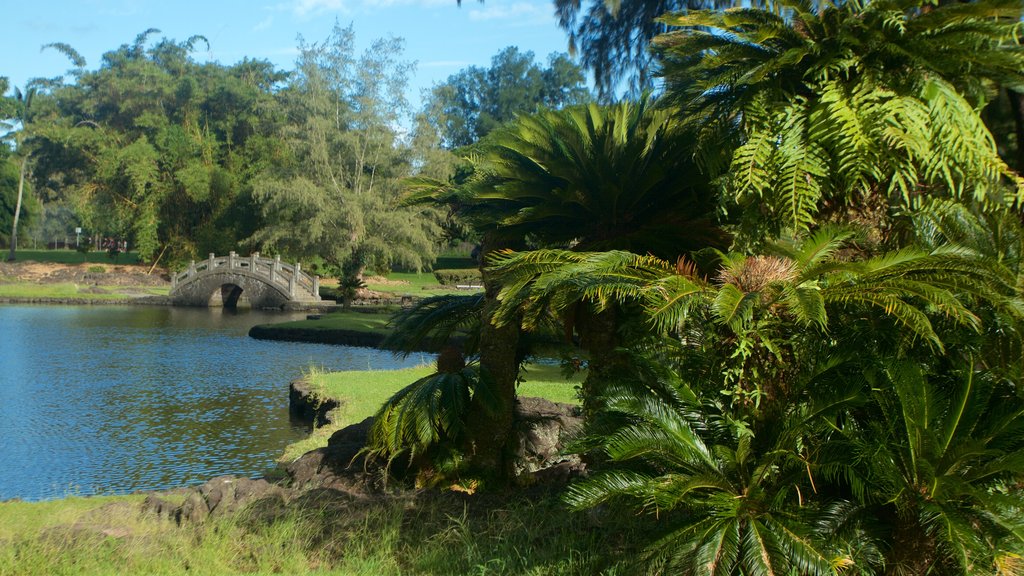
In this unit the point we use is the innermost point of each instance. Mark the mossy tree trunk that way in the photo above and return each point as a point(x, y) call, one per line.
point(489, 423)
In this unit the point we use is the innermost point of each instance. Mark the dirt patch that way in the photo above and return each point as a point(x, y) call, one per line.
point(382, 281)
point(88, 274)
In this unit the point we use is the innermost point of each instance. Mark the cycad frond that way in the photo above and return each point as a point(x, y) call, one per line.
point(422, 415)
point(435, 322)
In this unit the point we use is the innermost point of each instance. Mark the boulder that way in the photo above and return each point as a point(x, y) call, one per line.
point(220, 496)
point(543, 429)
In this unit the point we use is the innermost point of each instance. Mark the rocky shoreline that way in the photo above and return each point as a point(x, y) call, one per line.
point(340, 473)
point(316, 336)
point(78, 301)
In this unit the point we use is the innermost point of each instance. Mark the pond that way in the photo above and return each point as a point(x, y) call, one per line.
point(108, 400)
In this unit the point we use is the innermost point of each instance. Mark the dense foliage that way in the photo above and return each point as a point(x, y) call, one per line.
point(832, 383)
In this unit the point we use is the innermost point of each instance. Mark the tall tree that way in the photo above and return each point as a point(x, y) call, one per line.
point(475, 101)
point(335, 197)
point(160, 150)
point(612, 39)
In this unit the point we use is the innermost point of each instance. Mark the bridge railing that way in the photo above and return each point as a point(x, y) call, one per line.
point(288, 277)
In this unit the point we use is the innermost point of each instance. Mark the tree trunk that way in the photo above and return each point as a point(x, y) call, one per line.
point(599, 335)
point(1017, 108)
point(17, 211)
point(489, 422)
point(913, 552)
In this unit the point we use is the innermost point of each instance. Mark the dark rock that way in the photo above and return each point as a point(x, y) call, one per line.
point(306, 405)
point(543, 428)
point(220, 496)
point(193, 510)
point(164, 509)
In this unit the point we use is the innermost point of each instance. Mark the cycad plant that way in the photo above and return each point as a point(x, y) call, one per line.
point(749, 467)
point(727, 500)
point(425, 422)
point(936, 460)
point(584, 178)
point(758, 319)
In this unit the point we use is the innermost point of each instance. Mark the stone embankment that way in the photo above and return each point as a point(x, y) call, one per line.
point(337, 336)
point(339, 471)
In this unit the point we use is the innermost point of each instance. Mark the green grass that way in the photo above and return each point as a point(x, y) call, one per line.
point(362, 392)
point(75, 257)
point(344, 320)
point(70, 290)
point(415, 284)
point(427, 533)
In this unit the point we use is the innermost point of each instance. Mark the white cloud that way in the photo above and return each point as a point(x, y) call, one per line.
point(518, 11)
point(264, 25)
point(308, 7)
point(304, 7)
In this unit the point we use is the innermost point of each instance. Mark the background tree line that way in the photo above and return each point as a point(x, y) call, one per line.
point(182, 158)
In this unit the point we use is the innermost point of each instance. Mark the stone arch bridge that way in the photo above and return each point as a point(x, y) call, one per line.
point(263, 282)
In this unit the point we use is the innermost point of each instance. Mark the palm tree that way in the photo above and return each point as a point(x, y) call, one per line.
point(847, 107)
point(589, 178)
point(24, 116)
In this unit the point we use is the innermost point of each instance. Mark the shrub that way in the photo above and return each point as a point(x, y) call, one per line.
point(96, 270)
point(451, 277)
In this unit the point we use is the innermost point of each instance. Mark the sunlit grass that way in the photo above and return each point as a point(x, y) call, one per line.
point(426, 533)
point(362, 392)
point(342, 320)
point(72, 290)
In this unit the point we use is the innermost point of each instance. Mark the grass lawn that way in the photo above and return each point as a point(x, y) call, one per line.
point(75, 257)
point(362, 392)
point(70, 290)
point(419, 284)
point(428, 533)
point(375, 322)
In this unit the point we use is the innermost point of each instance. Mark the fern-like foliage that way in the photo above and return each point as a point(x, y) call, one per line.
point(426, 420)
point(724, 506)
point(837, 101)
point(942, 452)
point(594, 177)
point(435, 322)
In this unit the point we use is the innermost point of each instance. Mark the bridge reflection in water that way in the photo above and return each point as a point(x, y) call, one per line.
point(263, 282)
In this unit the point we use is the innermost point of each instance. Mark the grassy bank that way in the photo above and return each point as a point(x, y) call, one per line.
point(425, 533)
point(362, 392)
point(66, 290)
point(375, 322)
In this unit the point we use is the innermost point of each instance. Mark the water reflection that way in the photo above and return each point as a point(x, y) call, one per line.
point(117, 399)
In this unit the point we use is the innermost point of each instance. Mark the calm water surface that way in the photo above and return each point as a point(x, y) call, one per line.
point(116, 399)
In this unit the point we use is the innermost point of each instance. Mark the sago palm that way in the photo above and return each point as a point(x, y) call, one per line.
point(755, 308)
point(937, 459)
point(723, 506)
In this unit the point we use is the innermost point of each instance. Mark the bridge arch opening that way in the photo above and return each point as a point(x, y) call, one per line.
point(229, 296)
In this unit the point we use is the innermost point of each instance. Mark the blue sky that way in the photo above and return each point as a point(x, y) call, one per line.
point(440, 37)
